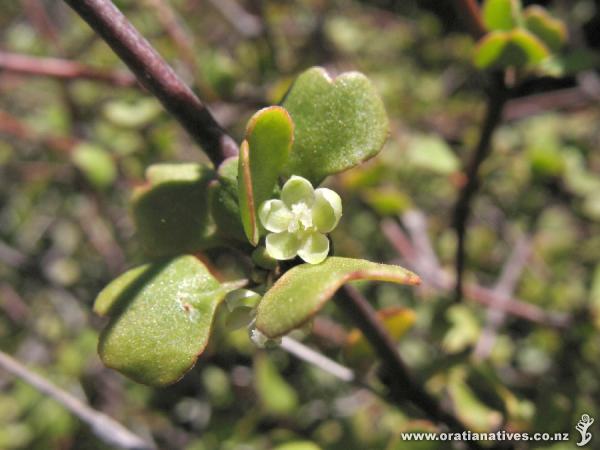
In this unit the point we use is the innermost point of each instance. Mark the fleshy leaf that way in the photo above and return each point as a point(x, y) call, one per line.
point(263, 154)
point(160, 319)
point(518, 48)
point(171, 213)
point(551, 31)
point(501, 14)
point(303, 290)
point(223, 201)
point(339, 123)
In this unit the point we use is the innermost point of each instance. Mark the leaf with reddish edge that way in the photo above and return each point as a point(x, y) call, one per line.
point(303, 290)
point(161, 317)
point(263, 154)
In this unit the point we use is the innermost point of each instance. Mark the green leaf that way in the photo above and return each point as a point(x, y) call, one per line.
point(263, 154)
point(96, 164)
point(223, 201)
point(160, 319)
point(501, 14)
point(303, 290)
point(171, 212)
point(339, 123)
point(276, 396)
point(518, 48)
point(551, 31)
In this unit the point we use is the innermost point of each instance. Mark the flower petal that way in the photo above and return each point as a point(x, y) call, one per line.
point(314, 248)
point(326, 210)
point(282, 245)
point(297, 190)
point(274, 215)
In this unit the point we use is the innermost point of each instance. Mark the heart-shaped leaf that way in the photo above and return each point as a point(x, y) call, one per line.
point(517, 48)
point(223, 201)
point(339, 123)
point(263, 154)
point(160, 319)
point(551, 31)
point(501, 14)
point(171, 212)
point(303, 290)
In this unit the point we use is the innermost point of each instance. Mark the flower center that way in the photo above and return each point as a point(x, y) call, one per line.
point(301, 218)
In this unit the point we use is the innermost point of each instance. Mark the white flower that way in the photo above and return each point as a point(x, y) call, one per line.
point(298, 222)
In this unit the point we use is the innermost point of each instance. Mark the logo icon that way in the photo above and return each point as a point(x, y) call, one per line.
point(582, 426)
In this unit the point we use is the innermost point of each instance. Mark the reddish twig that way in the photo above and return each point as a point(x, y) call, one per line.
point(247, 25)
point(62, 68)
point(563, 99)
point(11, 126)
point(177, 32)
point(157, 76)
point(434, 276)
point(504, 288)
point(470, 12)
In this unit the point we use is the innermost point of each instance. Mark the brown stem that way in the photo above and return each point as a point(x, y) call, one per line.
point(61, 68)
point(157, 76)
point(397, 376)
point(470, 12)
point(497, 98)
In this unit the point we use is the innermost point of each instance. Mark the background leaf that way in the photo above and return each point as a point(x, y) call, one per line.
point(96, 164)
point(397, 321)
point(501, 14)
point(339, 123)
point(161, 316)
point(276, 396)
point(303, 290)
point(551, 31)
point(518, 48)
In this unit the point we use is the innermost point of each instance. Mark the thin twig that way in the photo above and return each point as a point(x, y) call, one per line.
point(157, 76)
point(403, 387)
point(571, 99)
point(176, 30)
point(106, 428)
point(470, 12)
point(11, 126)
point(507, 282)
point(433, 275)
point(247, 25)
point(62, 68)
point(497, 98)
